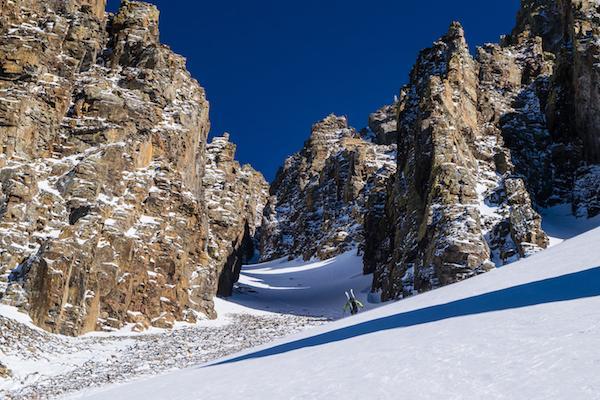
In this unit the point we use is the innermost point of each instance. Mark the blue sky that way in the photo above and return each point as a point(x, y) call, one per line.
point(273, 68)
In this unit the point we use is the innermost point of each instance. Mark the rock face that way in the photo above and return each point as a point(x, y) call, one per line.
point(235, 198)
point(570, 31)
point(4, 371)
point(102, 157)
point(383, 125)
point(456, 207)
point(114, 210)
point(482, 141)
point(586, 193)
point(319, 197)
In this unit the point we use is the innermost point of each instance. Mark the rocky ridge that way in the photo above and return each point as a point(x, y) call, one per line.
point(485, 140)
point(457, 208)
point(235, 198)
point(482, 142)
point(114, 210)
point(103, 217)
point(320, 195)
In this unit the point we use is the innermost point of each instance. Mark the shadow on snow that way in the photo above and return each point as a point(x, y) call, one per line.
point(572, 286)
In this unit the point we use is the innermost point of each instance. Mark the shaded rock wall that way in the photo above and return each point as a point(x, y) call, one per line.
point(235, 198)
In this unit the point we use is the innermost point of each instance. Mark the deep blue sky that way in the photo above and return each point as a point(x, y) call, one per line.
point(271, 68)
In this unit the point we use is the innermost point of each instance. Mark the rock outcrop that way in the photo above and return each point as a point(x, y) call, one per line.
point(235, 198)
point(482, 141)
point(383, 126)
point(4, 371)
point(102, 157)
point(570, 31)
point(319, 197)
point(439, 212)
point(586, 193)
point(114, 210)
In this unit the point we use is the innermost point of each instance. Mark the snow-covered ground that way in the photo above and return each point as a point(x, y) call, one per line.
point(299, 287)
point(271, 300)
point(560, 224)
point(530, 330)
point(47, 366)
point(439, 344)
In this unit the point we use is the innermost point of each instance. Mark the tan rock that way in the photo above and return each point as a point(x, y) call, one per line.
point(235, 198)
point(318, 198)
point(452, 204)
point(102, 207)
point(4, 371)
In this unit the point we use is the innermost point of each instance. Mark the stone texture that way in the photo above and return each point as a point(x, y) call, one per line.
point(383, 125)
point(113, 210)
point(456, 206)
point(482, 142)
point(5, 373)
point(235, 198)
point(586, 194)
point(58, 365)
point(102, 157)
point(318, 198)
point(564, 143)
point(570, 30)
point(438, 230)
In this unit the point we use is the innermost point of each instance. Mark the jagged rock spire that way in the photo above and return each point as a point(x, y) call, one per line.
point(235, 198)
point(541, 18)
point(438, 232)
point(319, 196)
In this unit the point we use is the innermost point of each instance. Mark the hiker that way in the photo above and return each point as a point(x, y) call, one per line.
point(353, 303)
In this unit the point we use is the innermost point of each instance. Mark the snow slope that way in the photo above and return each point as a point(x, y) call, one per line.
point(258, 313)
point(560, 224)
point(530, 330)
point(314, 288)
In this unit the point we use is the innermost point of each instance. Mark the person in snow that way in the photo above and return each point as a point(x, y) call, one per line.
point(353, 303)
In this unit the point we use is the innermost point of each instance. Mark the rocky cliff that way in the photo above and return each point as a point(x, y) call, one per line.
point(483, 141)
point(114, 210)
point(320, 196)
point(103, 215)
point(235, 198)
